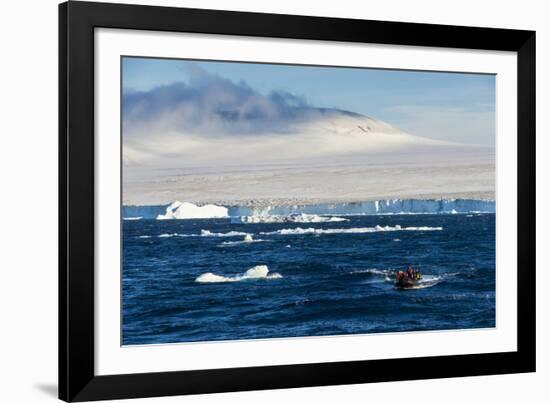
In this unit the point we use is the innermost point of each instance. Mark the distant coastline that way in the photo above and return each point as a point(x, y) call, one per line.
point(280, 202)
point(287, 208)
point(347, 183)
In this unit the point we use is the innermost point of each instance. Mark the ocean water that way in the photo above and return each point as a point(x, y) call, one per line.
point(200, 280)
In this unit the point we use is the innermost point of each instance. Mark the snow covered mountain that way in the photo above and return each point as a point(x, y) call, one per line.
point(332, 134)
point(333, 156)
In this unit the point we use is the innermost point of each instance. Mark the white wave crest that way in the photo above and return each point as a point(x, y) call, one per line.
point(185, 211)
point(379, 272)
point(132, 218)
point(170, 235)
point(247, 240)
point(235, 243)
point(388, 275)
point(254, 273)
point(205, 232)
point(294, 218)
point(361, 230)
point(425, 282)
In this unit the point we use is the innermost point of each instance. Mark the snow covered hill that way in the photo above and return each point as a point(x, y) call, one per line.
point(337, 156)
point(332, 135)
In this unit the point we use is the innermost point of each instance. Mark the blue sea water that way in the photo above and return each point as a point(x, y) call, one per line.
point(332, 278)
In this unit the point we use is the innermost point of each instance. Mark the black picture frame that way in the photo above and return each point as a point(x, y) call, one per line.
point(77, 379)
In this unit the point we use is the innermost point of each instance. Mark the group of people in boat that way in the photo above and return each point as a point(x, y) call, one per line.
point(410, 273)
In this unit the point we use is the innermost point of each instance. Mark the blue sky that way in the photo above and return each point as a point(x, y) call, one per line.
point(446, 106)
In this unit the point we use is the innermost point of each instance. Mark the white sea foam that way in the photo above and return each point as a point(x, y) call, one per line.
point(360, 230)
point(181, 211)
point(132, 218)
point(255, 273)
point(300, 231)
point(427, 281)
point(144, 236)
point(381, 275)
point(247, 240)
point(294, 218)
point(205, 232)
point(379, 272)
point(170, 235)
point(235, 243)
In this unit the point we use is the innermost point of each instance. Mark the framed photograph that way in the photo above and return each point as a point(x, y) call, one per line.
point(256, 201)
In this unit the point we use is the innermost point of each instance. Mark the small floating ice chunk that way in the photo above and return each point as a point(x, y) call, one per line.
point(297, 218)
point(212, 278)
point(248, 238)
point(254, 273)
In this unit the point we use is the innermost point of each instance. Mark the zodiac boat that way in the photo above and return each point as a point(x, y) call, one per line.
point(404, 281)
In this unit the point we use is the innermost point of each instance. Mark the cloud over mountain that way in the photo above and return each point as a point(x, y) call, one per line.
point(209, 120)
point(212, 105)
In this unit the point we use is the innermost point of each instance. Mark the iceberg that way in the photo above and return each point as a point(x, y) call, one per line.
point(181, 211)
point(309, 213)
point(373, 207)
